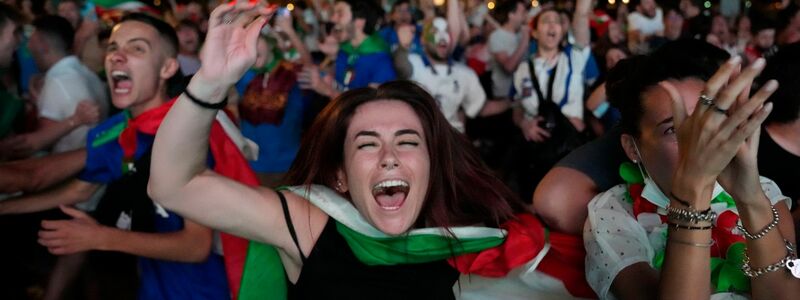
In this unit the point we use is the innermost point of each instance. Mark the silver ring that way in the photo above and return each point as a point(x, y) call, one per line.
point(227, 19)
point(706, 100)
point(719, 110)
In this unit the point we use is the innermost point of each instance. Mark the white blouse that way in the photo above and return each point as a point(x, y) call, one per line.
point(615, 239)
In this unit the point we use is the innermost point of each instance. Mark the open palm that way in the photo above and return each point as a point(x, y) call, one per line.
point(230, 46)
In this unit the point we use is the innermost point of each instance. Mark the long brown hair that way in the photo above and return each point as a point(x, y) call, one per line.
point(462, 190)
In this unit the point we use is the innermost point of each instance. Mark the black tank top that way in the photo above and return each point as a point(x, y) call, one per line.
point(332, 271)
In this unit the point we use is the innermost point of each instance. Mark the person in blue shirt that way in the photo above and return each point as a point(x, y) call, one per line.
point(401, 16)
point(175, 256)
point(363, 58)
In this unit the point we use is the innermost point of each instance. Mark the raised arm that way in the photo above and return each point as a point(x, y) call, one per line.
point(580, 23)
point(510, 62)
point(402, 66)
point(179, 179)
point(454, 15)
point(709, 142)
point(284, 23)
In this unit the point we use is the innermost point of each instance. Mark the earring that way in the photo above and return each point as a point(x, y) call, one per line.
point(635, 161)
point(339, 185)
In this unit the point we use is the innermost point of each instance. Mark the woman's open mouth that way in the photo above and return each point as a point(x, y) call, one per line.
point(390, 194)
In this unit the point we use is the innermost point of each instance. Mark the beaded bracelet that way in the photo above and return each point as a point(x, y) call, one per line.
point(763, 232)
point(690, 215)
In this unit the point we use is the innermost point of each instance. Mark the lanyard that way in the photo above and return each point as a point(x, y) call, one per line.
point(535, 80)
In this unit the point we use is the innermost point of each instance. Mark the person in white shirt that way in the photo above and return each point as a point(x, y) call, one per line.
point(550, 60)
point(551, 77)
point(456, 87)
point(67, 82)
point(694, 220)
point(644, 23)
point(508, 45)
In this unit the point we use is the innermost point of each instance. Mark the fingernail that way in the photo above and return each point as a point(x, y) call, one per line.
point(758, 63)
point(768, 107)
point(771, 85)
point(735, 60)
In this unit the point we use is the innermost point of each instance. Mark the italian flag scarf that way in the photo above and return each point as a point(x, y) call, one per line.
point(228, 161)
point(521, 249)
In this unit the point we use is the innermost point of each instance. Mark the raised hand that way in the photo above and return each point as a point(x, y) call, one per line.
point(405, 35)
point(284, 22)
point(711, 136)
point(230, 46)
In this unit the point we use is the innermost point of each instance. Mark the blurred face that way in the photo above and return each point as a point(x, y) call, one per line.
point(648, 8)
point(387, 165)
point(37, 44)
point(744, 26)
point(70, 11)
point(342, 19)
point(549, 32)
point(765, 38)
point(613, 56)
point(401, 15)
point(673, 25)
point(136, 66)
point(188, 40)
point(9, 39)
point(436, 39)
point(719, 27)
point(614, 32)
point(657, 141)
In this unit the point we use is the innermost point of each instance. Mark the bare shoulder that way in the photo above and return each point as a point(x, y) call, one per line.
point(307, 220)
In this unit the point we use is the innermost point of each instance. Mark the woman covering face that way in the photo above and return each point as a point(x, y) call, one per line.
point(691, 134)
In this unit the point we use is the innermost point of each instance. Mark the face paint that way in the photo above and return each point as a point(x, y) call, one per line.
point(436, 32)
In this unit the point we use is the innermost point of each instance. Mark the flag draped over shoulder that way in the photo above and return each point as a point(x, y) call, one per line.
point(521, 257)
point(228, 161)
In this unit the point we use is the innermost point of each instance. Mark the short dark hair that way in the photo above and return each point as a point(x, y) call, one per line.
point(367, 10)
point(678, 60)
point(784, 67)
point(189, 24)
point(759, 23)
point(9, 13)
point(503, 8)
point(400, 2)
point(58, 32)
point(165, 31)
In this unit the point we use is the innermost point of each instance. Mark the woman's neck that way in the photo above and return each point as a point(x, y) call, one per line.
point(786, 135)
point(547, 54)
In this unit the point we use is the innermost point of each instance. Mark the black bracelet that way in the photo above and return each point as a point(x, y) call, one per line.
point(679, 226)
point(204, 104)
point(686, 203)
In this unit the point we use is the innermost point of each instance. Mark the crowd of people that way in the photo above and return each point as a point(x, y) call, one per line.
point(400, 149)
